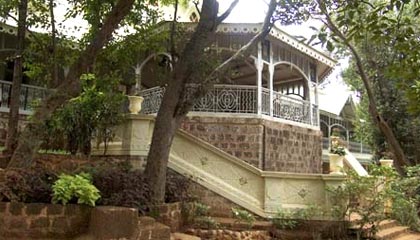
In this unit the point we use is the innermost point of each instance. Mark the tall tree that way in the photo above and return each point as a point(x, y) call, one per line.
point(29, 140)
point(12, 127)
point(347, 23)
point(176, 103)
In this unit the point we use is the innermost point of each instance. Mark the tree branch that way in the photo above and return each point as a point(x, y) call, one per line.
point(377, 117)
point(27, 29)
point(222, 68)
point(196, 7)
point(222, 17)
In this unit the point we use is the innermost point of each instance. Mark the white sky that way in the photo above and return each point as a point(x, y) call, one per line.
point(254, 11)
point(247, 11)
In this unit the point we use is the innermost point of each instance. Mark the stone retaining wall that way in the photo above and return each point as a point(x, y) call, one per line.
point(169, 214)
point(230, 235)
point(267, 145)
point(21, 221)
point(37, 220)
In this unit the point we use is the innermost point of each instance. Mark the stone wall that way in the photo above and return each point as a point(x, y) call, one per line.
point(37, 220)
point(240, 137)
point(268, 145)
point(291, 148)
point(219, 206)
point(52, 221)
point(230, 235)
point(169, 214)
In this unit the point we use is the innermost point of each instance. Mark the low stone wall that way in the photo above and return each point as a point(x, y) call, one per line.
point(219, 206)
point(169, 214)
point(37, 220)
point(230, 235)
point(21, 221)
point(267, 145)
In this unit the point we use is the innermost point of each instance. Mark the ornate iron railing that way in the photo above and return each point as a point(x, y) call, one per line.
point(355, 147)
point(290, 108)
point(228, 99)
point(152, 99)
point(240, 99)
point(28, 95)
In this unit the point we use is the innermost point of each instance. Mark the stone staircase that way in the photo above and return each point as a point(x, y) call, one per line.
point(391, 230)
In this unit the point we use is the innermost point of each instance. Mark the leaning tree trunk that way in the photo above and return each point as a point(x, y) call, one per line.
point(168, 118)
point(12, 128)
point(386, 130)
point(175, 104)
point(30, 138)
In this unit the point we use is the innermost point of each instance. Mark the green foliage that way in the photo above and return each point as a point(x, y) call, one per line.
point(121, 186)
point(381, 195)
point(292, 218)
point(405, 198)
point(92, 114)
point(336, 147)
point(243, 216)
point(78, 187)
point(27, 185)
point(198, 216)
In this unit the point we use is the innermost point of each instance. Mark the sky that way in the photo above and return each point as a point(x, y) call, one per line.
point(254, 11)
point(247, 11)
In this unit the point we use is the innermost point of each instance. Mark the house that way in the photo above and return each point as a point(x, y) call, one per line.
point(338, 114)
point(255, 139)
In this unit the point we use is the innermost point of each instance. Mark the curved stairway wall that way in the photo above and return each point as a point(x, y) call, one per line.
point(260, 192)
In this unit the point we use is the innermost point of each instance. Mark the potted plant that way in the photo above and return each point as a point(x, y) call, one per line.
point(336, 156)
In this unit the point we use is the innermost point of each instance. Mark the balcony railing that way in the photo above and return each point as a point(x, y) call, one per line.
point(28, 95)
point(240, 99)
point(355, 147)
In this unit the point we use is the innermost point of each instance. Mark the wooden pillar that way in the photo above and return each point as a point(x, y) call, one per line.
point(259, 65)
point(271, 84)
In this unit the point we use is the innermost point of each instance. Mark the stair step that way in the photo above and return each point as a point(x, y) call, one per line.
point(391, 233)
point(183, 236)
point(145, 221)
point(408, 236)
point(232, 223)
point(387, 224)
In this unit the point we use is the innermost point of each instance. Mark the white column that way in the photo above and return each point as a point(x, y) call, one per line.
point(313, 95)
point(317, 97)
point(271, 71)
point(259, 66)
point(271, 87)
point(137, 71)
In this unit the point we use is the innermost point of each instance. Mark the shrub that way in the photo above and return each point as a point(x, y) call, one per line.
point(75, 188)
point(27, 185)
point(243, 216)
point(177, 188)
point(121, 187)
point(198, 216)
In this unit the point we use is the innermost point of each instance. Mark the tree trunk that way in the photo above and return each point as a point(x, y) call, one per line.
point(13, 124)
point(168, 118)
point(30, 138)
point(54, 71)
point(175, 105)
point(400, 158)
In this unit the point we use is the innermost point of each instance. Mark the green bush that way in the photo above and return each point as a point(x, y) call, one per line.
point(27, 185)
point(244, 216)
point(77, 188)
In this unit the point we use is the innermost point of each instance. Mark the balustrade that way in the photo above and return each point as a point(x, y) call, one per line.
point(28, 95)
point(240, 99)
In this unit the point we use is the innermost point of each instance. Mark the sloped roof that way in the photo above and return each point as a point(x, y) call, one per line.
point(334, 100)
